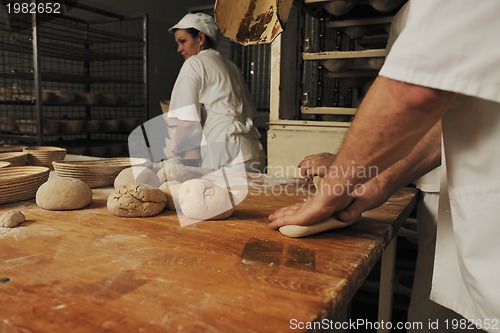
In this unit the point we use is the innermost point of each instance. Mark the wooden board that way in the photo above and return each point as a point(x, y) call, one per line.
point(89, 271)
point(328, 110)
point(344, 54)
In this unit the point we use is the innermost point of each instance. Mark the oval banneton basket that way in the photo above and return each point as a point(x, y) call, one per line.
point(15, 158)
point(44, 155)
point(98, 172)
point(10, 149)
point(19, 183)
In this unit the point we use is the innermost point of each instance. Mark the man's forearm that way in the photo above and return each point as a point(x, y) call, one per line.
point(391, 121)
point(424, 157)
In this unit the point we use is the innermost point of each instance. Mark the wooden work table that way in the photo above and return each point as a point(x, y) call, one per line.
point(89, 271)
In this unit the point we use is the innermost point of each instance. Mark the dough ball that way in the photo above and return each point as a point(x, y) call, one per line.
point(63, 193)
point(171, 190)
point(336, 65)
point(178, 172)
point(385, 5)
point(139, 200)
point(11, 219)
point(203, 200)
point(356, 31)
point(339, 7)
point(376, 63)
point(170, 161)
point(137, 175)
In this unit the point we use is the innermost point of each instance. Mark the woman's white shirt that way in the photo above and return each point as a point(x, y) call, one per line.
point(211, 88)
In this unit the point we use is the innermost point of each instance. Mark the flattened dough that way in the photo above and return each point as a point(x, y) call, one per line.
point(308, 230)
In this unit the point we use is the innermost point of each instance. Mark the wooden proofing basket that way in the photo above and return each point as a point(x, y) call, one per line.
point(44, 155)
point(21, 182)
point(99, 172)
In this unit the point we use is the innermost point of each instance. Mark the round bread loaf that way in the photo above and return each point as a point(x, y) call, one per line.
point(63, 193)
point(171, 190)
point(202, 200)
point(137, 175)
point(157, 166)
point(139, 200)
point(178, 172)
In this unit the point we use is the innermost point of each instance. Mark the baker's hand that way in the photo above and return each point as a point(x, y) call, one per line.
point(368, 196)
point(316, 165)
point(327, 200)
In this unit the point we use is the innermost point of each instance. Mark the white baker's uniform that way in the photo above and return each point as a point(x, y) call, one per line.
point(453, 45)
point(421, 308)
point(211, 88)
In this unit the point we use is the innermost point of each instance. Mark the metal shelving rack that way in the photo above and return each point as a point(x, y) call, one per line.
point(342, 53)
point(338, 56)
point(50, 63)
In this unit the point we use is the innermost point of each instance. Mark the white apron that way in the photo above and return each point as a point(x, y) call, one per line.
point(467, 263)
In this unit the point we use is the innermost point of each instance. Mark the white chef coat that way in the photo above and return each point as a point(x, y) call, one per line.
point(421, 308)
point(452, 45)
point(212, 89)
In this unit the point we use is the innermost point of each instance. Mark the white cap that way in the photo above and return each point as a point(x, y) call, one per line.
point(201, 22)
